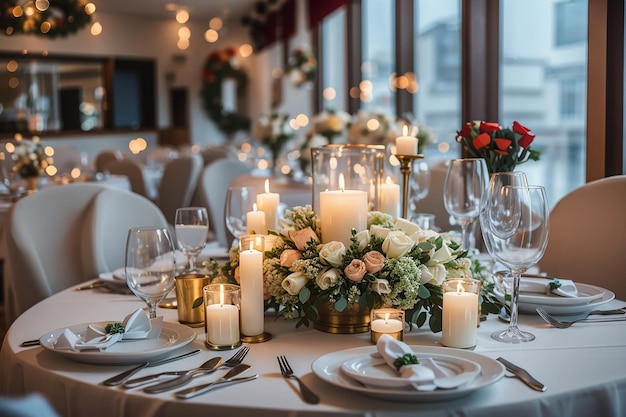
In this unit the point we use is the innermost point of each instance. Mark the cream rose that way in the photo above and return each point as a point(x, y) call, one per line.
point(355, 271)
point(327, 278)
point(381, 286)
point(332, 253)
point(293, 283)
point(289, 256)
point(363, 238)
point(379, 231)
point(441, 256)
point(439, 274)
point(406, 226)
point(374, 261)
point(302, 237)
point(397, 244)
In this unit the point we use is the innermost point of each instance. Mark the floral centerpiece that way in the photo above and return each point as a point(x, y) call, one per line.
point(301, 67)
point(371, 127)
point(274, 132)
point(327, 127)
point(29, 157)
point(502, 148)
point(393, 263)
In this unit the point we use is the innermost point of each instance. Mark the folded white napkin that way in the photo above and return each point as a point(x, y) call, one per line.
point(562, 287)
point(136, 326)
point(391, 349)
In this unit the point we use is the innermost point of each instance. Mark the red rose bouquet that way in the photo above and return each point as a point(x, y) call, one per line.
point(502, 148)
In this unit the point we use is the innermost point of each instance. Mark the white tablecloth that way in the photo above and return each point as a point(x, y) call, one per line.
point(583, 368)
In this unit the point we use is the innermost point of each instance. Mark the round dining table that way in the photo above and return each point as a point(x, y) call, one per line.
point(583, 368)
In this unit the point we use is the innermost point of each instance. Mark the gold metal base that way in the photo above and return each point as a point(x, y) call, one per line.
point(171, 303)
point(259, 338)
point(405, 168)
point(221, 347)
point(350, 321)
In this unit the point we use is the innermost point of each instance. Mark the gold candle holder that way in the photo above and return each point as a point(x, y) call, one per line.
point(406, 161)
point(388, 321)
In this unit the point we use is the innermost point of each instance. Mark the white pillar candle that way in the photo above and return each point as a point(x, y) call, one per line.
point(251, 280)
point(406, 145)
point(268, 203)
point(255, 221)
point(340, 212)
point(459, 318)
point(222, 324)
point(390, 198)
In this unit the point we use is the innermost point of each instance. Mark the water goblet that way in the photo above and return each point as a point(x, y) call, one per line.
point(463, 191)
point(192, 230)
point(516, 233)
point(419, 184)
point(150, 265)
point(239, 201)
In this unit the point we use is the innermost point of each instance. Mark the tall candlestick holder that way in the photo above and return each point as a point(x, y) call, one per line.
point(406, 162)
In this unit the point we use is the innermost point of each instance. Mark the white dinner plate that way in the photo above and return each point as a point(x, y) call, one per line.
point(374, 372)
point(554, 304)
point(173, 336)
point(328, 368)
point(586, 294)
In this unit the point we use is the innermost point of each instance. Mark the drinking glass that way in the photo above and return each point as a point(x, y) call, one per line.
point(239, 201)
point(419, 184)
point(516, 234)
point(192, 230)
point(150, 264)
point(463, 190)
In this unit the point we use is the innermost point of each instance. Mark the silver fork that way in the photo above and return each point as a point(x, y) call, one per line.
point(308, 395)
point(233, 361)
point(566, 324)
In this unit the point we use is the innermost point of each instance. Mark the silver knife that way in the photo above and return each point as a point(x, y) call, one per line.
point(523, 375)
point(119, 379)
point(228, 378)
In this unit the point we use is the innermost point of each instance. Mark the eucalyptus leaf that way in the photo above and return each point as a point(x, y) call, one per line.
point(341, 304)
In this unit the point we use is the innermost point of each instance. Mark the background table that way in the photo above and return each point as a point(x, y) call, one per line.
point(583, 368)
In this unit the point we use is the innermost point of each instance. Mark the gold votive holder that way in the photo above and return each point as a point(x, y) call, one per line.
point(388, 321)
point(222, 303)
point(188, 290)
point(460, 310)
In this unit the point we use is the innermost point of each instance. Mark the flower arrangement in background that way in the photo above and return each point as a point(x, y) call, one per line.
point(301, 67)
point(370, 127)
point(502, 148)
point(29, 157)
point(221, 66)
point(274, 132)
point(52, 18)
point(327, 127)
point(393, 263)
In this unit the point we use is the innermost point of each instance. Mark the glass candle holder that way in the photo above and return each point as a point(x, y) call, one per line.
point(222, 303)
point(251, 250)
point(460, 316)
point(386, 321)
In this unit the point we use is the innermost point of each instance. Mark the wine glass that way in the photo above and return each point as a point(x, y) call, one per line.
point(463, 191)
point(192, 230)
point(150, 265)
point(419, 184)
point(516, 231)
point(239, 201)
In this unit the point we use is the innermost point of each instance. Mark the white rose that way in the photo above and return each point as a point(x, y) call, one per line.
point(293, 283)
point(381, 286)
point(332, 253)
point(424, 235)
point(379, 231)
point(439, 274)
point(397, 244)
point(406, 226)
point(441, 256)
point(363, 238)
point(327, 278)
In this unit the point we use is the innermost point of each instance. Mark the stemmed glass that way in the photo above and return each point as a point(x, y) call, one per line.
point(150, 265)
point(239, 201)
point(463, 190)
point(192, 230)
point(515, 229)
point(419, 185)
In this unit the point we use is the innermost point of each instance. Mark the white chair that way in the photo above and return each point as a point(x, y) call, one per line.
point(103, 158)
point(43, 238)
point(111, 214)
point(586, 241)
point(178, 184)
point(212, 188)
point(134, 171)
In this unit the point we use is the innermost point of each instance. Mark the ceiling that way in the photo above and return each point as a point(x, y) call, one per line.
point(198, 9)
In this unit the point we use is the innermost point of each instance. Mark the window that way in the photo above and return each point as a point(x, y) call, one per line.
point(571, 22)
point(334, 82)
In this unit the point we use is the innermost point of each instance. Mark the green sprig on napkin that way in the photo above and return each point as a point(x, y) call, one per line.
point(113, 328)
point(406, 359)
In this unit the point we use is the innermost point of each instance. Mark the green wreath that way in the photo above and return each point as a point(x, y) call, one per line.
point(217, 68)
point(61, 18)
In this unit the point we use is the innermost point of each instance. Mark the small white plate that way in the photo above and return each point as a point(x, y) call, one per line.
point(173, 336)
point(558, 305)
point(376, 373)
point(328, 368)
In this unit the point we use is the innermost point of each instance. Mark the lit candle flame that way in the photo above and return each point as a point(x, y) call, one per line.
point(459, 288)
point(388, 180)
point(342, 182)
point(267, 186)
point(405, 130)
point(251, 246)
point(254, 208)
point(386, 318)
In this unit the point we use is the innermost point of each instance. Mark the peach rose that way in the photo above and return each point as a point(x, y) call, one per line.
point(374, 261)
point(289, 256)
point(302, 237)
point(355, 271)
